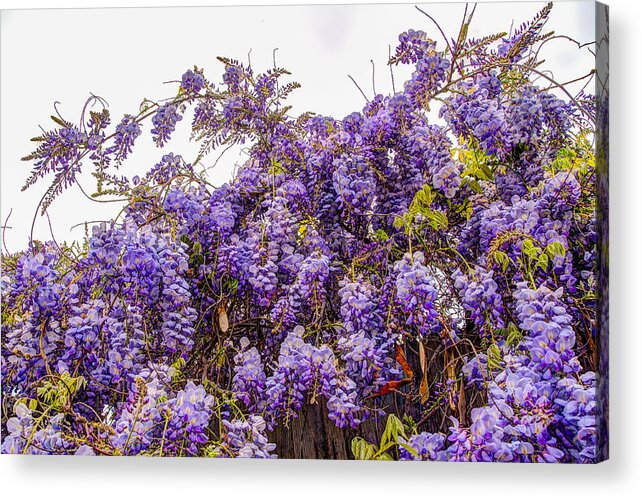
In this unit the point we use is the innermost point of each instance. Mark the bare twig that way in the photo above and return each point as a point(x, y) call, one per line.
point(438, 27)
point(392, 76)
point(4, 227)
point(277, 79)
point(374, 90)
point(359, 88)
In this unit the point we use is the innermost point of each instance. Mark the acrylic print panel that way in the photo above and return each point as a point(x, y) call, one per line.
point(360, 232)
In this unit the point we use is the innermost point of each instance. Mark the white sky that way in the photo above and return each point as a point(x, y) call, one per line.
point(124, 55)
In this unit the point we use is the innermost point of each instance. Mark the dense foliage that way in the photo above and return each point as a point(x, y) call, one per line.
point(428, 262)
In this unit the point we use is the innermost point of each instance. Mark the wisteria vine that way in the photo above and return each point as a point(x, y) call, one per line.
point(437, 269)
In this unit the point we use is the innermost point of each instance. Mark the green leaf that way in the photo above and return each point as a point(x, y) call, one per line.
point(487, 173)
point(514, 336)
point(399, 222)
point(502, 259)
point(394, 428)
point(381, 235)
point(475, 186)
point(494, 357)
point(555, 248)
point(409, 448)
point(530, 250)
point(542, 262)
point(276, 168)
point(382, 452)
point(410, 426)
point(438, 219)
point(362, 450)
